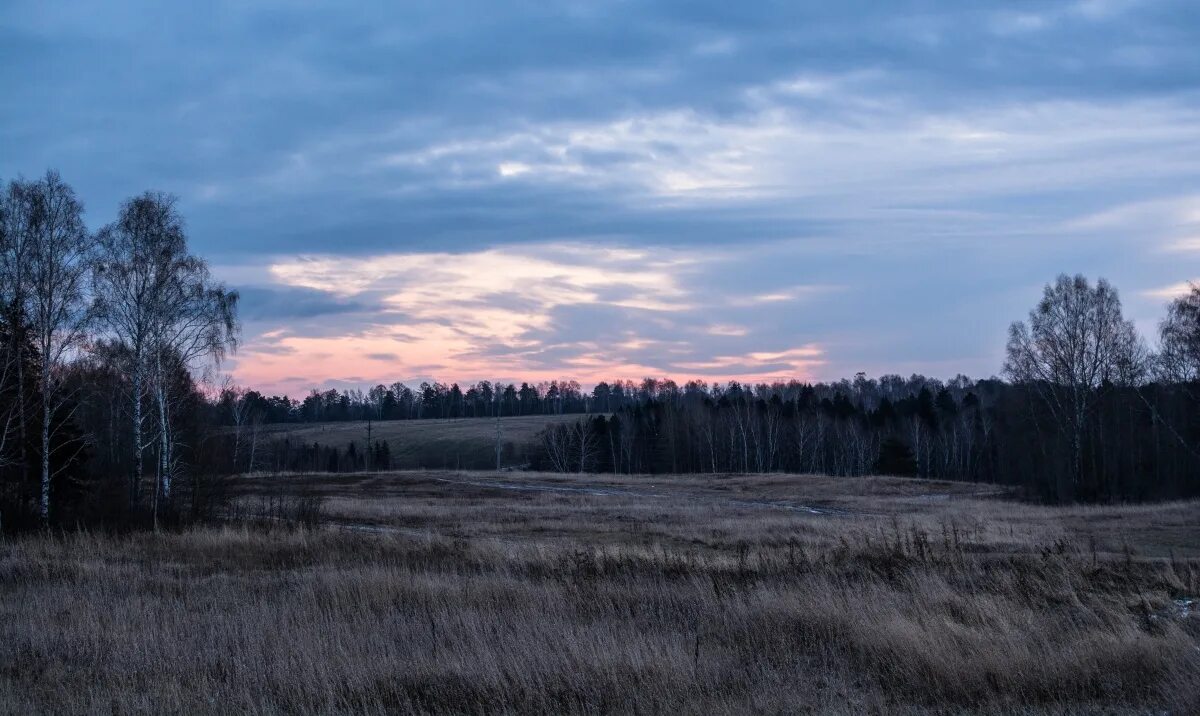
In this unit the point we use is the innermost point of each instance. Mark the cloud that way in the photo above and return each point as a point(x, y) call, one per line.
point(1102, 9)
point(1017, 23)
point(471, 313)
point(1173, 291)
point(720, 329)
point(1165, 225)
point(787, 294)
point(548, 190)
point(1169, 212)
point(520, 312)
point(1189, 244)
point(279, 303)
point(788, 364)
point(513, 169)
point(869, 147)
point(499, 292)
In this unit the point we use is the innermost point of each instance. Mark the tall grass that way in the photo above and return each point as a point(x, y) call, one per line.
point(838, 616)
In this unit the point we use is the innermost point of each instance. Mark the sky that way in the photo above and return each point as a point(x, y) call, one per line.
point(594, 190)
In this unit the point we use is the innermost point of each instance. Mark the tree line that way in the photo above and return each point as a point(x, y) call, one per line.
point(1086, 412)
point(107, 335)
point(397, 401)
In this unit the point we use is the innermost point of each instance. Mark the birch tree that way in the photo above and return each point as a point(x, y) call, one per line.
point(131, 276)
point(193, 325)
point(1179, 333)
point(557, 441)
point(587, 442)
point(1076, 342)
point(161, 304)
point(59, 258)
point(234, 396)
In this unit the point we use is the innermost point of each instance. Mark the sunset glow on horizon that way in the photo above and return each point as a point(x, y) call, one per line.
point(491, 315)
point(593, 191)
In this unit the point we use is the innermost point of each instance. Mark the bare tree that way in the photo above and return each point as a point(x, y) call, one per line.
point(557, 440)
point(1179, 333)
point(195, 323)
point(161, 304)
point(1076, 343)
point(235, 397)
point(130, 280)
point(256, 421)
point(586, 442)
point(376, 396)
point(60, 255)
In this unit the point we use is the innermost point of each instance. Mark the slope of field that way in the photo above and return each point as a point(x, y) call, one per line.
point(459, 592)
point(463, 443)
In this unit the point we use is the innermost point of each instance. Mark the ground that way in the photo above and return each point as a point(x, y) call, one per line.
point(465, 443)
point(521, 592)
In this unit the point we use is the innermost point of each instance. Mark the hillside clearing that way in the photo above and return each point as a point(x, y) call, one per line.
point(459, 443)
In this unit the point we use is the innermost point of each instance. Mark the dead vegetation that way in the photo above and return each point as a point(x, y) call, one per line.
point(485, 593)
point(447, 443)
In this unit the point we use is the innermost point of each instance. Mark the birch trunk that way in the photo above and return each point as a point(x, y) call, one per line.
point(45, 447)
point(135, 486)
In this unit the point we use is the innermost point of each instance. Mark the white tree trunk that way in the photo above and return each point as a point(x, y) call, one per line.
point(137, 435)
point(164, 445)
point(45, 448)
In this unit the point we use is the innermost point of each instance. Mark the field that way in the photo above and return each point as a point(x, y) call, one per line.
point(434, 592)
point(464, 443)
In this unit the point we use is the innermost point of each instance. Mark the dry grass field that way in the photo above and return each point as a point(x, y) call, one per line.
point(436, 592)
point(462, 443)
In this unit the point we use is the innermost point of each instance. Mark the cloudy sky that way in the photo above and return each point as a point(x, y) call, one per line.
point(619, 189)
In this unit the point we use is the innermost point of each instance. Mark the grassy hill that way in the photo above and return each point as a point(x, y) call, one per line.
point(463, 443)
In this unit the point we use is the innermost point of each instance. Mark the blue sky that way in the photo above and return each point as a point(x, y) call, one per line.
point(533, 190)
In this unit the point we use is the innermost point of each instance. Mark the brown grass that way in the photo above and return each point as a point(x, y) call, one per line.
point(467, 443)
point(637, 594)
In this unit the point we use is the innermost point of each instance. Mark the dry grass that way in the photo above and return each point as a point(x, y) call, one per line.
point(430, 443)
point(537, 593)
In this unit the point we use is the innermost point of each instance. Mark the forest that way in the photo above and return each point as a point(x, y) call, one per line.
point(112, 339)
